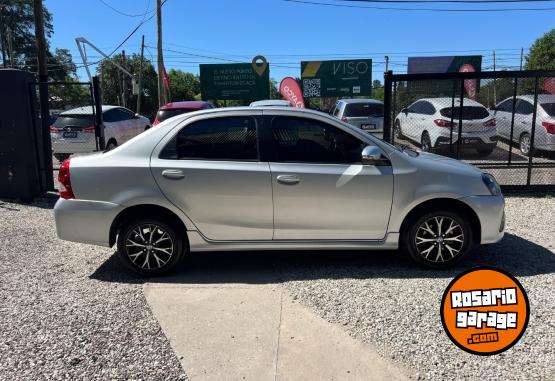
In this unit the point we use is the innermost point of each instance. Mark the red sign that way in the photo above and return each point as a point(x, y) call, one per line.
point(290, 90)
point(549, 85)
point(470, 85)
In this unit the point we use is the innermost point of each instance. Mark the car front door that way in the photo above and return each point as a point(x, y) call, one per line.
point(503, 117)
point(211, 170)
point(321, 189)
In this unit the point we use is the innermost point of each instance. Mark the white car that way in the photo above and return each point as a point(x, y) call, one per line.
point(431, 121)
point(544, 134)
point(73, 131)
point(271, 103)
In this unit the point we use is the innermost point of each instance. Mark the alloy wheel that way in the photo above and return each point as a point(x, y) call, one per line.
point(439, 239)
point(149, 246)
point(525, 144)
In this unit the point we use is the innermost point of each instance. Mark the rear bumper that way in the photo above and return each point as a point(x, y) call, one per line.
point(491, 213)
point(61, 145)
point(469, 140)
point(85, 221)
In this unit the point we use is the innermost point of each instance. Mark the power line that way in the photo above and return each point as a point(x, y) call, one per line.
point(127, 14)
point(419, 9)
point(447, 1)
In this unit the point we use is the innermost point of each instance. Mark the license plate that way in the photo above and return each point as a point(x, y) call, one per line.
point(368, 126)
point(69, 134)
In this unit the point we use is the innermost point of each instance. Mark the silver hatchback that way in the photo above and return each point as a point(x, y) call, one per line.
point(268, 179)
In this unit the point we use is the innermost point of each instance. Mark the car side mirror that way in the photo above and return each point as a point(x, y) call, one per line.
point(405, 110)
point(137, 116)
point(371, 155)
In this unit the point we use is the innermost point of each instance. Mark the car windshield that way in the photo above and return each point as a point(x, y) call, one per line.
point(364, 110)
point(74, 120)
point(549, 108)
point(468, 112)
point(166, 114)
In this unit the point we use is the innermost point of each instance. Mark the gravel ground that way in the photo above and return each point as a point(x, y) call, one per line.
point(66, 313)
point(385, 301)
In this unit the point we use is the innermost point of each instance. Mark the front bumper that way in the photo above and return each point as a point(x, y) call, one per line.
point(491, 213)
point(85, 221)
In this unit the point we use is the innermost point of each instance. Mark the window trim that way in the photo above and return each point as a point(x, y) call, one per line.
point(181, 127)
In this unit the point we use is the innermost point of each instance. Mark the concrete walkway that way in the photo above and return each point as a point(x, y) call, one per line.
point(254, 331)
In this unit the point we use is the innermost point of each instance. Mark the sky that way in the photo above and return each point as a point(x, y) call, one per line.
point(286, 32)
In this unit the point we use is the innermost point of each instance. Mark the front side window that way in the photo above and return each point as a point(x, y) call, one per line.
point(416, 107)
point(301, 140)
point(506, 106)
point(232, 138)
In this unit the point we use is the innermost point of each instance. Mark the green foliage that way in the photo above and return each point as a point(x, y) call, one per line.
point(542, 53)
point(377, 90)
point(112, 83)
point(184, 86)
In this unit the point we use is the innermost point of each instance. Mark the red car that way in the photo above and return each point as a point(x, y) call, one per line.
point(176, 108)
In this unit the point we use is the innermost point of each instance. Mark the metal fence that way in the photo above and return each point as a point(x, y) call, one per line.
point(502, 122)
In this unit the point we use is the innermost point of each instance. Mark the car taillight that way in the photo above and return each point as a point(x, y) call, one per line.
point(63, 178)
point(54, 129)
point(88, 129)
point(549, 127)
point(490, 123)
point(444, 123)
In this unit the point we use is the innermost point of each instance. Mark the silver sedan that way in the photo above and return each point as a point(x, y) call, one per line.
point(273, 179)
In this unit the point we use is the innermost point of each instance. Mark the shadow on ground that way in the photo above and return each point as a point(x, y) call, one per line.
point(516, 255)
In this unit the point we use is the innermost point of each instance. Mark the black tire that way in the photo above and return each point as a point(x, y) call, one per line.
point(61, 156)
point(397, 130)
point(524, 144)
point(111, 145)
point(485, 152)
point(443, 256)
point(426, 142)
point(148, 260)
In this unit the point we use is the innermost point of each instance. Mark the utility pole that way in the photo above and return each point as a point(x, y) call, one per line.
point(2, 41)
point(494, 89)
point(9, 38)
point(161, 91)
point(123, 82)
point(521, 57)
point(140, 84)
point(386, 59)
point(43, 91)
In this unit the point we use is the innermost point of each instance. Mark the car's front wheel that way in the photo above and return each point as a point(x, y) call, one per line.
point(526, 144)
point(438, 239)
point(150, 247)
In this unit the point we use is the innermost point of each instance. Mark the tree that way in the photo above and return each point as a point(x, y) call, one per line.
point(112, 83)
point(377, 90)
point(184, 86)
point(542, 53)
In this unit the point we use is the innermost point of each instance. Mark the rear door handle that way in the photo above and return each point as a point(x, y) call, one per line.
point(288, 179)
point(175, 174)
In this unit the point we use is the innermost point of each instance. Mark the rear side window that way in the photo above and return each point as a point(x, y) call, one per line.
point(468, 112)
point(301, 140)
point(524, 107)
point(74, 121)
point(232, 138)
point(364, 110)
point(549, 108)
point(167, 114)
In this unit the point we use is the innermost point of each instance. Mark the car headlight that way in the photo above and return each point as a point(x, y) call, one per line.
point(491, 184)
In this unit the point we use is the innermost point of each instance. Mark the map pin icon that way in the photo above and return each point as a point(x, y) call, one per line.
point(259, 64)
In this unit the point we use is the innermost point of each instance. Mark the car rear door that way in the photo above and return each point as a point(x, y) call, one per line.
point(320, 188)
point(211, 170)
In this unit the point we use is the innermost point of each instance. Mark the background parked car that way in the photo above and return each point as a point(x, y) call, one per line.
point(366, 114)
point(73, 130)
point(172, 109)
point(428, 122)
point(271, 103)
point(544, 134)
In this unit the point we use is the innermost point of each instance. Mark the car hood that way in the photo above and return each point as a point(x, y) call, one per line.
point(447, 163)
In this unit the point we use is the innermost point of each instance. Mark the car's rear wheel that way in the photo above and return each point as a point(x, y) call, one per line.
point(438, 239)
point(525, 144)
point(150, 247)
point(426, 142)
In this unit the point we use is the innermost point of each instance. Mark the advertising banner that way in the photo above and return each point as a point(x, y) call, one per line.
point(337, 78)
point(290, 90)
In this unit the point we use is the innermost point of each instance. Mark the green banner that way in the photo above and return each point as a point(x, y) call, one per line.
point(234, 81)
point(338, 78)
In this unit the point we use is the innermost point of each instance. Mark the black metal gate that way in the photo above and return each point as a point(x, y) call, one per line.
point(502, 122)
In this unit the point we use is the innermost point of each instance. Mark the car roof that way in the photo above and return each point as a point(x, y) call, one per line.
point(448, 101)
point(542, 98)
point(271, 102)
point(87, 110)
point(369, 100)
point(184, 104)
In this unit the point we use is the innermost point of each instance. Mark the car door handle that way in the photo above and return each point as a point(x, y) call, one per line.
point(175, 174)
point(288, 179)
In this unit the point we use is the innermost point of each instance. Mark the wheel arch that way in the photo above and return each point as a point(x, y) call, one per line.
point(451, 204)
point(146, 210)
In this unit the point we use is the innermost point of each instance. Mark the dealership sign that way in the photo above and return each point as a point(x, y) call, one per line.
point(336, 78)
point(290, 90)
point(240, 81)
point(443, 64)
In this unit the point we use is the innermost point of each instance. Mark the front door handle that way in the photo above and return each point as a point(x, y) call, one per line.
point(174, 174)
point(288, 179)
